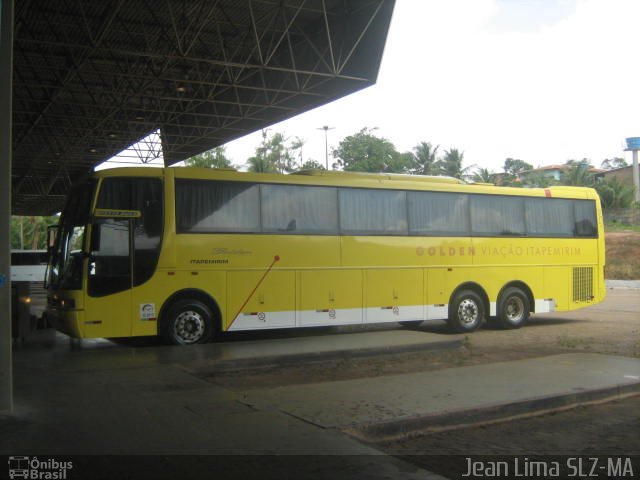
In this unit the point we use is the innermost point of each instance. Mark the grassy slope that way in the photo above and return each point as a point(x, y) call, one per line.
point(623, 254)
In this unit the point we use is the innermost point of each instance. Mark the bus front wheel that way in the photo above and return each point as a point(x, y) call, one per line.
point(466, 311)
point(187, 322)
point(513, 308)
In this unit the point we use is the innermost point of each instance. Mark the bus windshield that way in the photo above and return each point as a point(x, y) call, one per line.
point(65, 263)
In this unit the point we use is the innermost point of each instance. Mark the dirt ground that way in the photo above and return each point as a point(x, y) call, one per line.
point(623, 255)
point(609, 429)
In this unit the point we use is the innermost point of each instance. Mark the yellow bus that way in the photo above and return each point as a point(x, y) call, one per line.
point(186, 253)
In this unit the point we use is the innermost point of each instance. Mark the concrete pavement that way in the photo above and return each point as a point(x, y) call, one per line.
point(396, 404)
point(96, 397)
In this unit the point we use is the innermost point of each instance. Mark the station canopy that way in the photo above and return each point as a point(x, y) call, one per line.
point(92, 77)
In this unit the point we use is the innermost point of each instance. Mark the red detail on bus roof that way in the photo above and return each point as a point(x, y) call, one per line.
point(547, 193)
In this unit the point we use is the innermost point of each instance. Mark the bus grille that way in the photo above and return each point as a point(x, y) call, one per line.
point(582, 284)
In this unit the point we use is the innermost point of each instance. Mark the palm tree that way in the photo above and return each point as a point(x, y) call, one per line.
point(296, 146)
point(615, 194)
point(484, 175)
point(425, 159)
point(272, 155)
point(576, 173)
point(260, 164)
point(215, 158)
point(538, 179)
point(451, 163)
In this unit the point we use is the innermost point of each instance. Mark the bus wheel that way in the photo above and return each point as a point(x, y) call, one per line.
point(513, 308)
point(187, 322)
point(466, 311)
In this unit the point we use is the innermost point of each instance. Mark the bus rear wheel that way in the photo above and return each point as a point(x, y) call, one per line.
point(513, 308)
point(466, 312)
point(187, 322)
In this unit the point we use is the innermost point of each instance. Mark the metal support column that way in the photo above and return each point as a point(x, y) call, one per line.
point(6, 77)
point(636, 175)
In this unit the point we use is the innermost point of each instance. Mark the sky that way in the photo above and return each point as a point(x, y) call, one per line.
point(540, 80)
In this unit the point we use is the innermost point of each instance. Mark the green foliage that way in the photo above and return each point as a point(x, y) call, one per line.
point(451, 163)
point(483, 175)
point(615, 162)
point(259, 164)
point(215, 158)
point(539, 179)
point(513, 169)
point(425, 159)
point(295, 148)
point(615, 194)
point(30, 233)
point(312, 165)
point(515, 166)
point(365, 152)
point(273, 155)
point(576, 173)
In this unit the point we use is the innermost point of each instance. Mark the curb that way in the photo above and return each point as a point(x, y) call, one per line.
point(311, 357)
point(397, 429)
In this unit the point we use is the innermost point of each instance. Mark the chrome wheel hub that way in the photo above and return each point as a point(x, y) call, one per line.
point(468, 312)
point(514, 309)
point(189, 326)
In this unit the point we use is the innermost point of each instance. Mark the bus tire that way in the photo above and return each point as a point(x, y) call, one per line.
point(466, 312)
point(513, 308)
point(187, 322)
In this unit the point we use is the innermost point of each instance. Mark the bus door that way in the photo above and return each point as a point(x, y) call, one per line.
point(108, 293)
point(124, 249)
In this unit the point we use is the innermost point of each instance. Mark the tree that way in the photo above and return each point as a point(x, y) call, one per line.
point(365, 152)
point(30, 233)
point(273, 155)
point(451, 163)
point(215, 158)
point(483, 175)
point(538, 179)
point(312, 165)
point(612, 163)
point(576, 173)
point(514, 168)
point(615, 194)
point(425, 159)
point(296, 148)
point(259, 164)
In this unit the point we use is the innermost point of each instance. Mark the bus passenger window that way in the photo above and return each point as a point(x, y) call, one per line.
point(293, 209)
point(497, 215)
point(373, 212)
point(585, 214)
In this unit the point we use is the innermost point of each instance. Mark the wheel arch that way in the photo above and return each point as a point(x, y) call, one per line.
point(475, 287)
point(193, 294)
point(522, 286)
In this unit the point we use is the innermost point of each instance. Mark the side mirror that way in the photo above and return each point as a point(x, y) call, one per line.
point(52, 233)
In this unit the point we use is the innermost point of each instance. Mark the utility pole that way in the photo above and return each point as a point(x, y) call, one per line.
point(633, 145)
point(326, 129)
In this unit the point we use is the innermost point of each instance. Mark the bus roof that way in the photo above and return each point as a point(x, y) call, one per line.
point(352, 179)
point(382, 175)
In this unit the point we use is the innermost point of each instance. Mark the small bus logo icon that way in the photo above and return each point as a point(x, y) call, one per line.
point(18, 467)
